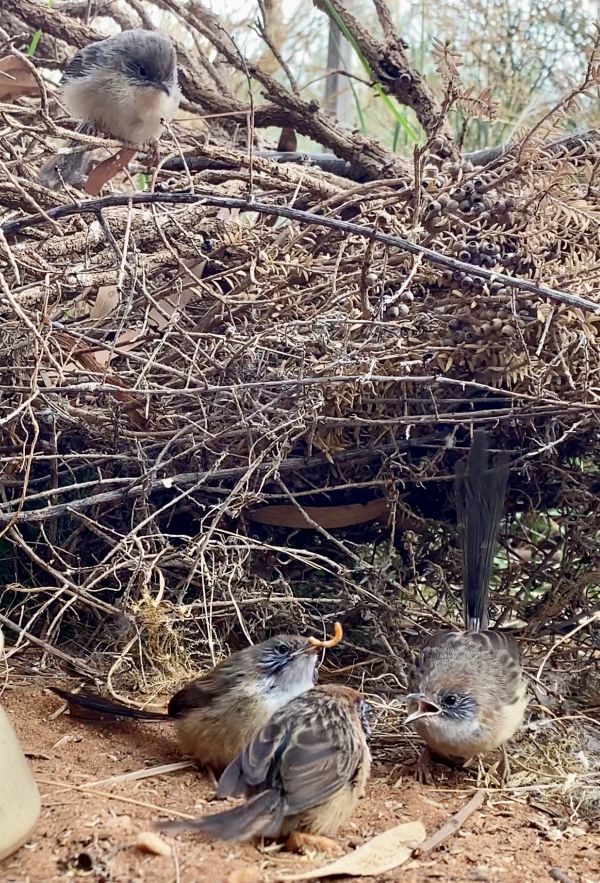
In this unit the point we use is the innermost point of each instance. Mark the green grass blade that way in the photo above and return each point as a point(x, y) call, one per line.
point(35, 40)
point(400, 116)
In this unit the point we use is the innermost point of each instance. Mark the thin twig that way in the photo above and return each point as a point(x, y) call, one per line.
point(450, 827)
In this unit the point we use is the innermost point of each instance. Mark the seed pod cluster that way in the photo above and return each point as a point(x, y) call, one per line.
point(457, 190)
point(489, 317)
point(399, 306)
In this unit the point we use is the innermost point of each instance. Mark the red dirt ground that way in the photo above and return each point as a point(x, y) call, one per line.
point(91, 836)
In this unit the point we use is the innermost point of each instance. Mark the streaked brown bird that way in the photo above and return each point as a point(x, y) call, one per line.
point(467, 691)
point(303, 773)
point(217, 714)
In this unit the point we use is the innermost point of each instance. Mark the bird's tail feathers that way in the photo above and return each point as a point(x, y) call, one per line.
point(68, 168)
point(480, 494)
point(261, 816)
point(86, 706)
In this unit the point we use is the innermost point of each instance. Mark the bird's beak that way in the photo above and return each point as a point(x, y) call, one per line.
point(310, 648)
point(425, 708)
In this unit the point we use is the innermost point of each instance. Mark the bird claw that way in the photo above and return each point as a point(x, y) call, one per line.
point(424, 765)
point(212, 778)
point(153, 154)
point(497, 774)
point(423, 773)
point(300, 842)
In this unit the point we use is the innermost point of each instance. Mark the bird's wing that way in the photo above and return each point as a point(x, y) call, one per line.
point(506, 656)
point(320, 761)
point(308, 756)
point(261, 757)
point(81, 62)
point(198, 694)
point(227, 675)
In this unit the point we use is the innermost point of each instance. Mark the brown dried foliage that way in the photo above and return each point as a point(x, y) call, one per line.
point(168, 370)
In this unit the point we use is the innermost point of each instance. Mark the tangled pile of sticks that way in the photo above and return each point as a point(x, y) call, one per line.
point(232, 402)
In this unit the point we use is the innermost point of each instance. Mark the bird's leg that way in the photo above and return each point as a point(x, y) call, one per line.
point(504, 767)
point(298, 842)
point(212, 778)
point(152, 154)
point(483, 776)
point(423, 772)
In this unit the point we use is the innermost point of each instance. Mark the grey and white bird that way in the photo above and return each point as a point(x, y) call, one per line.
point(467, 690)
point(124, 87)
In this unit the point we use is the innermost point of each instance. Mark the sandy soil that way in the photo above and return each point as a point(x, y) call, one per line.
point(91, 836)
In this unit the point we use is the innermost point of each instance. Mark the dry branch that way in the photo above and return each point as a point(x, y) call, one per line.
point(391, 67)
point(96, 206)
point(255, 337)
point(450, 827)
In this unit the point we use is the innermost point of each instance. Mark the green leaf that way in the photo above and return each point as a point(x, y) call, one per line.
point(35, 42)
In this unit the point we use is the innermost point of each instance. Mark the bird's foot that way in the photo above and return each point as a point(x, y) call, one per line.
point(212, 777)
point(300, 842)
point(153, 154)
point(495, 775)
point(423, 773)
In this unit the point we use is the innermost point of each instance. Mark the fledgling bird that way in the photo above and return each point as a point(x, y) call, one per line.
point(302, 774)
point(126, 87)
point(216, 715)
point(467, 691)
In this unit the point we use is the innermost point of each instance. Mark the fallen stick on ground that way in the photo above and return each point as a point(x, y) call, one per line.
point(450, 827)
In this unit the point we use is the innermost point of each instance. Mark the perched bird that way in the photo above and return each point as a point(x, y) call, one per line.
point(216, 715)
point(126, 87)
point(467, 690)
point(303, 773)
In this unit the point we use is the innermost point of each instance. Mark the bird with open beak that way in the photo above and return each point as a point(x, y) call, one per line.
point(467, 691)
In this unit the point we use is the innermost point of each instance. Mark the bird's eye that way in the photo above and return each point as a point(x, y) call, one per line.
point(281, 649)
point(451, 701)
point(142, 72)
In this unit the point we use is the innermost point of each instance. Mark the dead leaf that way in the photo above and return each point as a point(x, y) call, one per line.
point(227, 214)
point(170, 301)
point(381, 854)
point(178, 299)
point(147, 841)
point(16, 80)
point(324, 516)
point(107, 169)
point(133, 405)
point(107, 300)
point(169, 305)
point(127, 342)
